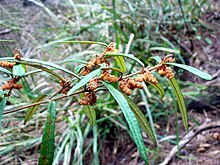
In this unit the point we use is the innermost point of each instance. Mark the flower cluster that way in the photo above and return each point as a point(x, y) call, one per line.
point(17, 54)
point(99, 59)
point(106, 76)
point(93, 83)
point(89, 99)
point(6, 64)
point(163, 70)
point(146, 76)
point(65, 86)
point(126, 85)
point(12, 84)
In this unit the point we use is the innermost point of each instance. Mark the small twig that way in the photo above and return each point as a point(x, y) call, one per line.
point(187, 138)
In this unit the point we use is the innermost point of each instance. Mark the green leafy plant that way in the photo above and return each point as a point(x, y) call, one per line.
point(99, 74)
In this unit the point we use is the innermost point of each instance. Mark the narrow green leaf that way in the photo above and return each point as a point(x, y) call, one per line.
point(169, 50)
point(5, 70)
point(31, 110)
point(121, 63)
point(82, 42)
point(2, 107)
point(83, 81)
point(18, 70)
point(193, 70)
point(2, 92)
point(7, 40)
point(180, 100)
point(141, 119)
point(90, 112)
point(158, 87)
point(130, 118)
point(131, 56)
point(47, 145)
point(42, 68)
point(50, 64)
point(78, 68)
point(156, 58)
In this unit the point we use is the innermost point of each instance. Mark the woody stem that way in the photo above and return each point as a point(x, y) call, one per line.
point(42, 102)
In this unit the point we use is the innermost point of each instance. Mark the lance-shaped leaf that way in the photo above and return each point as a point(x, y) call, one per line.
point(2, 92)
point(2, 107)
point(45, 63)
point(131, 56)
point(193, 70)
point(169, 50)
point(43, 68)
point(83, 81)
point(90, 112)
point(82, 42)
point(158, 87)
point(180, 100)
point(47, 145)
point(5, 70)
point(121, 63)
point(141, 119)
point(18, 70)
point(130, 118)
point(31, 110)
point(156, 58)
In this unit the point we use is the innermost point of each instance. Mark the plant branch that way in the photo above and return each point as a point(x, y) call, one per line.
point(42, 102)
point(187, 138)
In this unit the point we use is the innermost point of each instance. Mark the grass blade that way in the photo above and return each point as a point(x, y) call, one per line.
point(31, 110)
point(180, 100)
point(141, 119)
point(90, 112)
point(2, 107)
point(83, 81)
point(47, 145)
point(193, 70)
point(169, 50)
point(130, 118)
point(5, 70)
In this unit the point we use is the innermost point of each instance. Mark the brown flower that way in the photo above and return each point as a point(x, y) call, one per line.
point(106, 76)
point(89, 99)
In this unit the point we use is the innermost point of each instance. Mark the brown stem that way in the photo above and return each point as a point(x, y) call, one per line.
point(42, 102)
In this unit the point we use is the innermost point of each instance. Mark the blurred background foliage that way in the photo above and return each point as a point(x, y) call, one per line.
point(36, 27)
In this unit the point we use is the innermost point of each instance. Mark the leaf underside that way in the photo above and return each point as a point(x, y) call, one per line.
point(141, 119)
point(90, 112)
point(193, 70)
point(2, 107)
point(158, 87)
point(130, 118)
point(121, 63)
point(47, 145)
point(31, 110)
point(180, 100)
